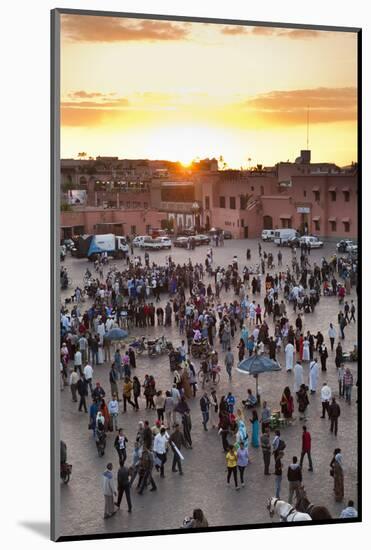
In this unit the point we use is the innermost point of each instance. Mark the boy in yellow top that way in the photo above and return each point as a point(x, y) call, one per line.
point(231, 458)
point(126, 393)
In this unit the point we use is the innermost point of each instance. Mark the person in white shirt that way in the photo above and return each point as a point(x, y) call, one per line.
point(74, 378)
point(88, 375)
point(326, 395)
point(77, 360)
point(160, 448)
point(113, 409)
point(83, 347)
point(332, 335)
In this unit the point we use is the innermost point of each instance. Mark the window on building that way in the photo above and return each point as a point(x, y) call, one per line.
point(333, 226)
point(317, 196)
point(286, 223)
point(242, 223)
point(222, 202)
point(346, 196)
point(252, 188)
point(207, 203)
point(232, 203)
point(317, 226)
point(346, 227)
point(133, 229)
point(333, 196)
point(304, 193)
point(127, 204)
point(145, 205)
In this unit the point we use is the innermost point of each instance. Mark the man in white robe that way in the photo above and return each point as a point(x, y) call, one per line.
point(313, 375)
point(289, 353)
point(298, 376)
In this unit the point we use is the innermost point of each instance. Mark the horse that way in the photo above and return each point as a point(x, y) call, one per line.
point(285, 511)
point(315, 512)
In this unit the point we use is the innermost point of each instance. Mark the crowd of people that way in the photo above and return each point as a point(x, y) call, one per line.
point(253, 317)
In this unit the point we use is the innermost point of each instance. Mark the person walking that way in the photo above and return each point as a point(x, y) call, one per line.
point(145, 468)
point(349, 511)
point(126, 393)
point(306, 446)
point(231, 458)
point(136, 391)
point(334, 413)
point(88, 373)
point(348, 385)
point(266, 448)
point(177, 440)
point(109, 491)
point(113, 409)
point(214, 407)
point(326, 395)
point(323, 354)
point(278, 474)
point(341, 372)
point(229, 362)
point(332, 335)
point(113, 377)
point(303, 401)
point(294, 476)
point(337, 472)
point(82, 390)
point(313, 376)
point(242, 461)
point(205, 406)
point(160, 449)
point(120, 446)
point(123, 486)
point(74, 378)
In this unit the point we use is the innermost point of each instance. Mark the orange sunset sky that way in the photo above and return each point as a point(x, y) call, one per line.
point(138, 88)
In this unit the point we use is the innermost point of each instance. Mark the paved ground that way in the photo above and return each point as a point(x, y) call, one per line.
point(204, 482)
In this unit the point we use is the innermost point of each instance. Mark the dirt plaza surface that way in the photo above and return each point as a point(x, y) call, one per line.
point(203, 484)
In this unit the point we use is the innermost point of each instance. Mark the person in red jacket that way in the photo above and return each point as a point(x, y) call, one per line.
point(306, 448)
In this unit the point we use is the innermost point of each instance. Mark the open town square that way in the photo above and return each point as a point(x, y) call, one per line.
point(159, 418)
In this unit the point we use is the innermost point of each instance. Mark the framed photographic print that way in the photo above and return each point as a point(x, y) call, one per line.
point(206, 182)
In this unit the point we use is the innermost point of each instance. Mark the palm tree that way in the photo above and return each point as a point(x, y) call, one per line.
point(82, 155)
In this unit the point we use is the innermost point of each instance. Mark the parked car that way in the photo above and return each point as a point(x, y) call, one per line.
point(201, 239)
point(187, 232)
point(138, 241)
point(346, 246)
point(165, 242)
point(152, 244)
point(313, 242)
point(181, 242)
point(267, 234)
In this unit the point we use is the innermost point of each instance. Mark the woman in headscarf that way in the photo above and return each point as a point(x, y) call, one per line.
point(287, 403)
point(105, 414)
point(337, 471)
point(185, 381)
point(242, 435)
point(255, 429)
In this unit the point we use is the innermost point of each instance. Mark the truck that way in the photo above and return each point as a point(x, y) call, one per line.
point(92, 246)
point(282, 237)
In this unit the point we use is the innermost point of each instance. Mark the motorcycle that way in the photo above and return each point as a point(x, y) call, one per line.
point(139, 345)
point(66, 470)
point(159, 346)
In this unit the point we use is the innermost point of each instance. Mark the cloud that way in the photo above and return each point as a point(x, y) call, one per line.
point(290, 107)
point(294, 34)
point(86, 28)
point(87, 95)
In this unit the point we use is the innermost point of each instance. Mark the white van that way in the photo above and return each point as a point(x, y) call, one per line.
point(283, 236)
point(138, 241)
point(268, 234)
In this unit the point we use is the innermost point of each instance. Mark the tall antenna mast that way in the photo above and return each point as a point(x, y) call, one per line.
point(307, 127)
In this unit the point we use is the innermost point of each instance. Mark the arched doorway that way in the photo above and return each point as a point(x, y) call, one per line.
point(207, 225)
point(267, 222)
